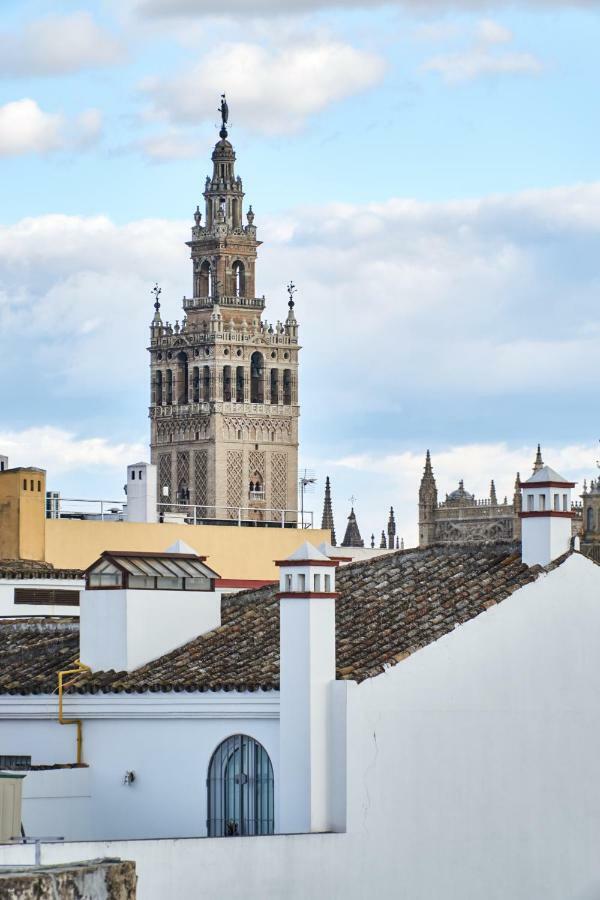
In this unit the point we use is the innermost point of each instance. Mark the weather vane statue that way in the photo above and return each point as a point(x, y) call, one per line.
point(224, 110)
point(291, 289)
point(157, 292)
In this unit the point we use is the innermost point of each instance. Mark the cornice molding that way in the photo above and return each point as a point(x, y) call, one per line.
point(217, 705)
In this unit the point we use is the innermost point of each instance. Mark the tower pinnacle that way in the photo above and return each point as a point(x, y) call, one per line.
point(539, 462)
point(327, 520)
point(352, 537)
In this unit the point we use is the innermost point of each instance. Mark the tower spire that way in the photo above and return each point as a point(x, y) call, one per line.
point(327, 522)
point(391, 529)
point(539, 462)
point(352, 537)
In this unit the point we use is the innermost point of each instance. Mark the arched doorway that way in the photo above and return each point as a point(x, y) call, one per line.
point(240, 789)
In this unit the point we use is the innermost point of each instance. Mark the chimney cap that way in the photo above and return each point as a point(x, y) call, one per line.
point(306, 555)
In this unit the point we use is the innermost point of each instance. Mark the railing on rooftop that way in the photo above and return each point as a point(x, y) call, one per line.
point(182, 512)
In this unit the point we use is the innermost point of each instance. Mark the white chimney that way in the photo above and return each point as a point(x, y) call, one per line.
point(545, 516)
point(307, 670)
point(3, 463)
point(139, 606)
point(141, 492)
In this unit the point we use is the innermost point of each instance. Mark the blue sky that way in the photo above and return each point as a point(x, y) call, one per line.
point(429, 182)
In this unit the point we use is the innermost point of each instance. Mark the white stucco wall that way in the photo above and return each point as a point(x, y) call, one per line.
point(169, 755)
point(472, 772)
point(123, 629)
point(8, 609)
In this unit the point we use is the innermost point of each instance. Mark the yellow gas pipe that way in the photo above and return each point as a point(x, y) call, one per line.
point(81, 668)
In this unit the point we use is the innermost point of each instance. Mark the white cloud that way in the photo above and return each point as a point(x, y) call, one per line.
point(458, 67)
point(459, 306)
point(394, 478)
point(486, 55)
point(62, 451)
point(491, 32)
point(58, 45)
point(275, 89)
point(26, 128)
point(206, 8)
point(172, 145)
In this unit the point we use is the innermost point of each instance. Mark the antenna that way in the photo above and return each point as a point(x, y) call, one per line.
point(307, 480)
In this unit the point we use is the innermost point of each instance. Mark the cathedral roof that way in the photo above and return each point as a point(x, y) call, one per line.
point(388, 608)
point(460, 493)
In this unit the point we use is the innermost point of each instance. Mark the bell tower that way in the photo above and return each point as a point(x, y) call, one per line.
point(224, 400)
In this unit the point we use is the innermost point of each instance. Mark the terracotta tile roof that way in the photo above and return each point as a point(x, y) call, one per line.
point(388, 608)
point(29, 568)
point(32, 651)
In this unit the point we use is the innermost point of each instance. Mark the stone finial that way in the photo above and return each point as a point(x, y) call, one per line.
point(383, 542)
point(327, 519)
point(539, 462)
point(372, 542)
point(493, 497)
point(250, 215)
point(197, 216)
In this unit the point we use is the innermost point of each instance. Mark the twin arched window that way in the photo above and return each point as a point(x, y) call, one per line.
point(240, 789)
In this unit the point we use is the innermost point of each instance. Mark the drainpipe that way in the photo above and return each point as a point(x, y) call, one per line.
point(80, 670)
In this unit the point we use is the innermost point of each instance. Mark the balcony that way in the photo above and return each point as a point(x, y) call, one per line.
point(190, 303)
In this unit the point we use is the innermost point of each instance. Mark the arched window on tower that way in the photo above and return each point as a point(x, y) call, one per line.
point(196, 384)
point(205, 280)
point(240, 789)
point(275, 386)
point(589, 525)
point(227, 384)
point(239, 278)
point(169, 386)
point(158, 397)
point(206, 384)
point(239, 384)
point(256, 378)
point(287, 386)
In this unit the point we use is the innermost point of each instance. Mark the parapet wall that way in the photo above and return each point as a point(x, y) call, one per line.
point(234, 552)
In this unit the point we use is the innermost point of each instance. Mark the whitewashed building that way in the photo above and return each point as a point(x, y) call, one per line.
point(419, 725)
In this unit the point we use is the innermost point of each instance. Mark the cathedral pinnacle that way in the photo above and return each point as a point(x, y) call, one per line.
point(157, 291)
point(327, 522)
point(352, 537)
point(493, 497)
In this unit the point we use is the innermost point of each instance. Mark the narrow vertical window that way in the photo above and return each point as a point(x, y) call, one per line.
point(287, 386)
point(274, 386)
point(327, 584)
point(557, 502)
point(529, 502)
point(542, 502)
point(317, 584)
point(302, 582)
point(239, 384)
point(227, 384)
